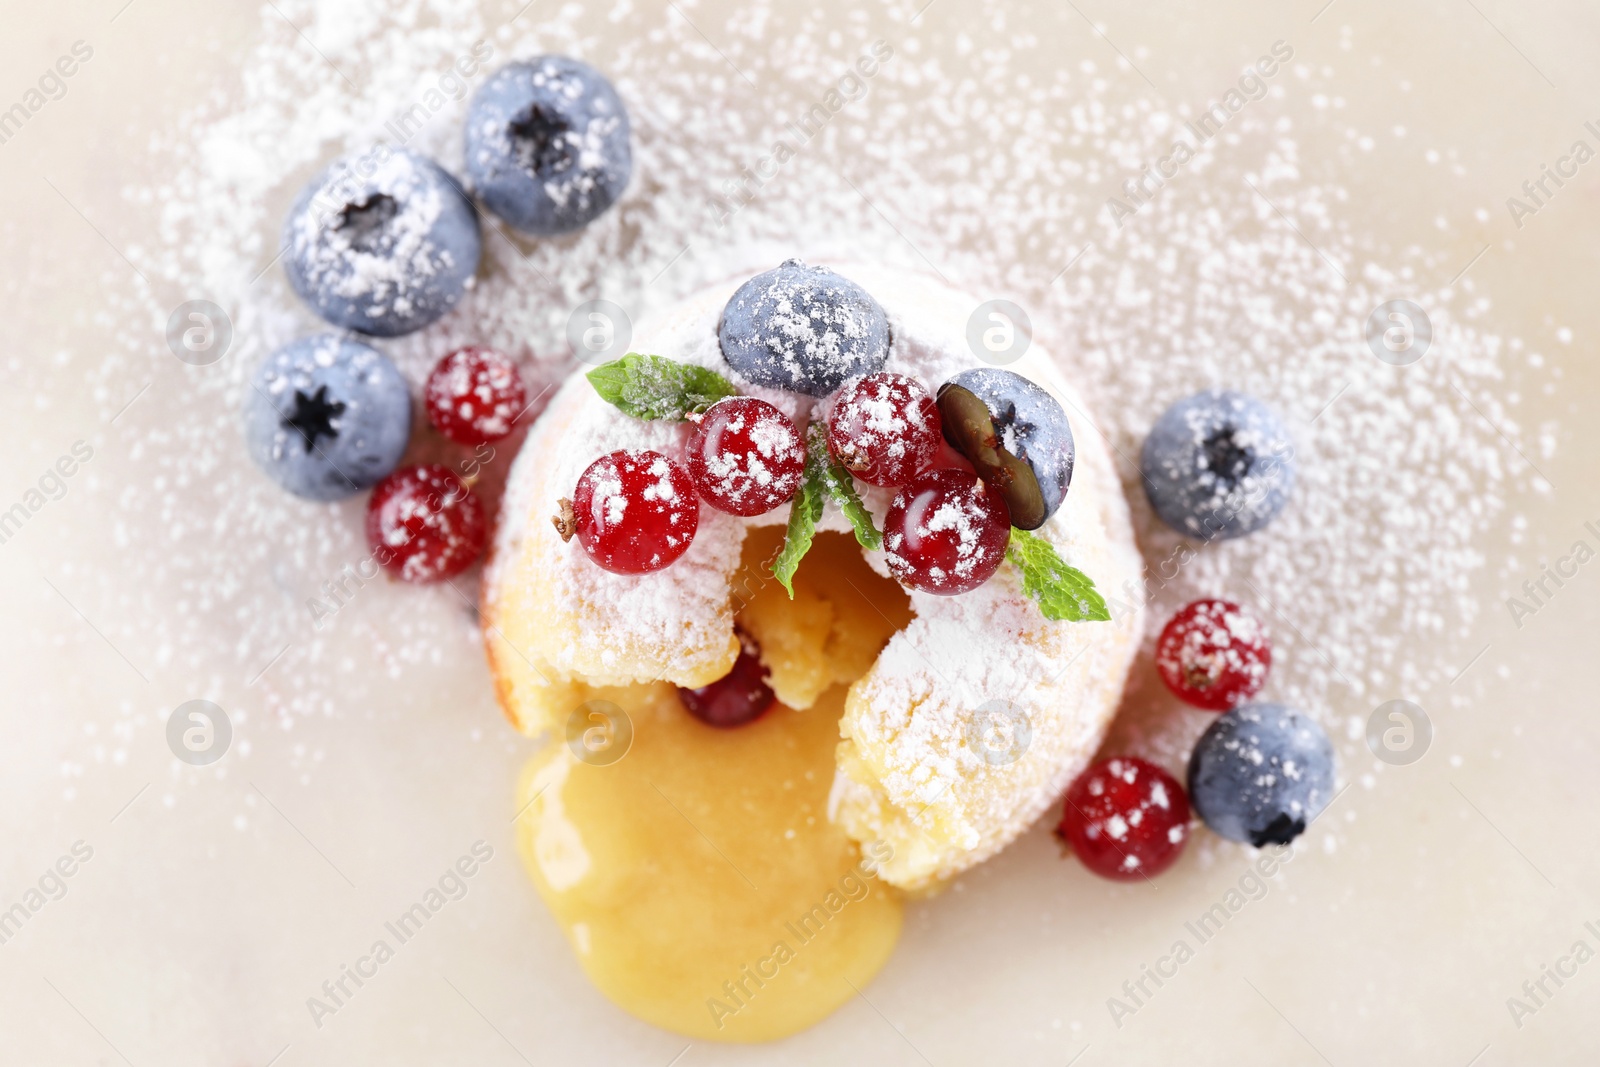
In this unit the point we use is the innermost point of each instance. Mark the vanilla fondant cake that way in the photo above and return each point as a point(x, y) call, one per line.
point(971, 720)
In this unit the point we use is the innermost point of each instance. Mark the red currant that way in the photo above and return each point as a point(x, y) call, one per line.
point(1125, 818)
point(1214, 654)
point(474, 395)
point(745, 456)
point(885, 429)
point(946, 532)
point(741, 696)
point(633, 511)
point(424, 524)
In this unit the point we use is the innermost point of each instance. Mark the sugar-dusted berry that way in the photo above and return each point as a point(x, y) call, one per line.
point(745, 456)
point(885, 429)
point(424, 524)
point(1125, 819)
point(946, 532)
point(634, 511)
point(474, 395)
point(1214, 654)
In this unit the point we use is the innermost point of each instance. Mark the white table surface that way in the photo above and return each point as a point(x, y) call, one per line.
point(217, 899)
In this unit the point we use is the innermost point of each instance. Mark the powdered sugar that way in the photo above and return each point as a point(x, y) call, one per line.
point(1207, 285)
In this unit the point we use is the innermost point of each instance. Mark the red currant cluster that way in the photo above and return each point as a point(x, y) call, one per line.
point(424, 523)
point(990, 449)
point(637, 511)
point(1126, 818)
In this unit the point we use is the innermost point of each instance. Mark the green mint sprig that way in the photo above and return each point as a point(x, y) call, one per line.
point(805, 511)
point(1064, 593)
point(654, 387)
point(841, 488)
point(825, 479)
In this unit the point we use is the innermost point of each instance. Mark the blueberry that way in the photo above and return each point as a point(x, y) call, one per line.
point(1260, 773)
point(547, 144)
point(1016, 436)
point(382, 243)
point(803, 328)
point(1218, 465)
point(327, 417)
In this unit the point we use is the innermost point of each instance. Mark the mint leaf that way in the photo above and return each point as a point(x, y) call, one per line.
point(841, 488)
point(825, 480)
point(804, 512)
point(654, 387)
point(1063, 592)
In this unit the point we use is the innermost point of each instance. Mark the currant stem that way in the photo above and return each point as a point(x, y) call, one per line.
point(565, 520)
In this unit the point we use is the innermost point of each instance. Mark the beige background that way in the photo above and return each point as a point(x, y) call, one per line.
point(187, 940)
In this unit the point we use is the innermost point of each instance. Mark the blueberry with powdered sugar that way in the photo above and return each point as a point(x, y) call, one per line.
point(383, 244)
point(1218, 465)
point(326, 417)
point(1261, 773)
point(1016, 436)
point(803, 328)
point(547, 144)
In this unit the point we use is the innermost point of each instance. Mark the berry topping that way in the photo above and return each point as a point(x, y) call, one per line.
point(946, 532)
point(547, 144)
point(741, 696)
point(1218, 465)
point(1214, 654)
point(803, 328)
point(633, 511)
point(884, 429)
point(382, 244)
point(424, 524)
point(327, 417)
point(1260, 773)
point(1125, 818)
point(1016, 437)
point(474, 395)
point(745, 456)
